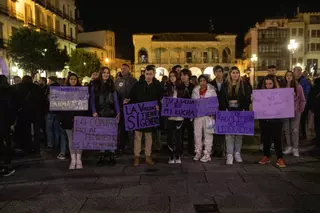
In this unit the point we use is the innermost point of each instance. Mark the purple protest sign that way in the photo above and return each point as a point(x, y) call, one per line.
point(95, 133)
point(189, 108)
point(207, 106)
point(179, 107)
point(141, 115)
point(234, 123)
point(69, 98)
point(273, 103)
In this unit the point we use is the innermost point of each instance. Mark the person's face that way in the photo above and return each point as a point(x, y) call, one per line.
point(272, 71)
point(289, 77)
point(235, 75)
point(94, 75)
point(105, 74)
point(149, 75)
point(184, 78)
point(17, 80)
point(298, 73)
point(173, 78)
point(124, 70)
point(219, 74)
point(203, 83)
point(269, 84)
point(73, 81)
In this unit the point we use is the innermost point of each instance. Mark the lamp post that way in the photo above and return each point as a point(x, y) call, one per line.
point(254, 59)
point(292, 47)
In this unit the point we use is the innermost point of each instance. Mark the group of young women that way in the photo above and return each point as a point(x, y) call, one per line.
point(233, 94)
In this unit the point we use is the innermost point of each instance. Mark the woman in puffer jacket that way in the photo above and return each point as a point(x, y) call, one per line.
point(203, 126)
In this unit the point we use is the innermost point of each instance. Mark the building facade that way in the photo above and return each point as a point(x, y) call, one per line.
point(305, 30)
point(55, 16)
point(199, 52)
point(268, 41)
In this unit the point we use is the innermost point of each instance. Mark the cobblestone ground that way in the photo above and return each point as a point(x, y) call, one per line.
point(48, 186)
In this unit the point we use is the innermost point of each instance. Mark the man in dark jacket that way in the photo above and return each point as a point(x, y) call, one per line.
point(188, 124)
point(219, 143)
point(145, 91)
point(7, 117)
point(314, 104)
point(124, 84)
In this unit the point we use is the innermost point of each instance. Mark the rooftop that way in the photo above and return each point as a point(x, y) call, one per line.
point(186, 37)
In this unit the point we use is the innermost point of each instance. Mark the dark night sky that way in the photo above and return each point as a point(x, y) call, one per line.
point(124, 21)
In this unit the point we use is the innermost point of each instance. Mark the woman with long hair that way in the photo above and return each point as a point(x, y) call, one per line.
point(203, 126)
point(291, 125)
point(235, 97)
point(66, 121)
point(104, 103)
point(271, 129)
point(175, 90)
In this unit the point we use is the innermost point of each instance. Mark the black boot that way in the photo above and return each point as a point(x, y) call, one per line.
point(112, 160)
point(101, 160)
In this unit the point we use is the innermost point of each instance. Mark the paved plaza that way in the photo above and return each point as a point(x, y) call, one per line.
point(46, 185)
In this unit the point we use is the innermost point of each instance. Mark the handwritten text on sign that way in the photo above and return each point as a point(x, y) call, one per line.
point(141, 115)
point(95, 133)
point(189, 108)
point(273, 103)
point(69, 98)
point(235, 123)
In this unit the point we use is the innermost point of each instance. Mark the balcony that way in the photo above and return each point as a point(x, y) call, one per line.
point(11, 13)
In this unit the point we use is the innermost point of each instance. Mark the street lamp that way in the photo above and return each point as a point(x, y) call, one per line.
point(107, 60)
point(254, 59)
point(292, 47)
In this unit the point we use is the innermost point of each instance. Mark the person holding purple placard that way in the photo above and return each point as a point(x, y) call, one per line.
point(235, 97)
point(104, 103)
point(203, 126)
point(174, 139)
point(271, 130)
point(146, 90)
point(66, 121)
point(291, 125)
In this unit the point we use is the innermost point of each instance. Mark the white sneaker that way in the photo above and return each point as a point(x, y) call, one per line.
point(79, 164)
point(238, 158)
point(178, 161)
point(288, 150)
point(61, 156)
point(229, 159)
point(72, 165)
point(171, 160)
point(205, 158)
point(197, 156)
point(295, 152)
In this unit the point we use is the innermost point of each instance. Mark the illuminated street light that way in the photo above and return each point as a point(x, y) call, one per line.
point(107, 60)
point(84, 63)
point(292, 47)
point(254, 59)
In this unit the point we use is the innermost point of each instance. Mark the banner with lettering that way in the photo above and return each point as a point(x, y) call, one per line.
point(95, 133)
point(189, 108)
point(69, 98)
point(273, 103)
point(234, 123)
point(141, 115)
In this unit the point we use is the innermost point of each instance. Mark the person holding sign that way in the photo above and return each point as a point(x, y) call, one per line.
point(175, 90)
point(146, 90)
point(235, 97)
point(271, 129)
point(104, 103)
point(203, 126)
point(66, 122)
point(291, 125)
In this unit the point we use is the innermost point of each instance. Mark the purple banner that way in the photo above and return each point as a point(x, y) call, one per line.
point(69, 98)
point(189, 108)
point(235, 123)
point(141, 115)
point(273, 103)
point(95, 133)
point(179, 107)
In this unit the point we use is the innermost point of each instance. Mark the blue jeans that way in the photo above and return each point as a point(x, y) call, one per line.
point(64, 141)
point(53, 130)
